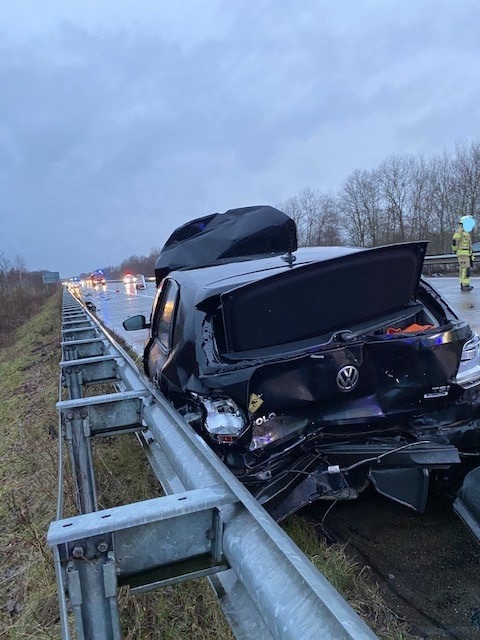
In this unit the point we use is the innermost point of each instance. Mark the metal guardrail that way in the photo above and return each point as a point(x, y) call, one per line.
point(207, 525)
point(445, 258)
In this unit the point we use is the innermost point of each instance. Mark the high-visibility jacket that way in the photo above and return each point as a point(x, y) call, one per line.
point(462, 242)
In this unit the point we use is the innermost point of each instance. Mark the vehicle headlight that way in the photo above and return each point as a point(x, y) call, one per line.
point(471, 348)
point(224, 420)
point(468, 374)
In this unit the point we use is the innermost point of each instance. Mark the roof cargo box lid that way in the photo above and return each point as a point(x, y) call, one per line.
point(237, 234)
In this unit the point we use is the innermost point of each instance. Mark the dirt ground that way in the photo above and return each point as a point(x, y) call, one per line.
point(427, 565)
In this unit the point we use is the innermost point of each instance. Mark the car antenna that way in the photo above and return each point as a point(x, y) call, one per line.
point(289, 257)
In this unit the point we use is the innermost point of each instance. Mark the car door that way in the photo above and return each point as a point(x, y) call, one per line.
point(162, 329)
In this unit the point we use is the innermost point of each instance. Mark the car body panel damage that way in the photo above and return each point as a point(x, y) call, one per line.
point(317, 372)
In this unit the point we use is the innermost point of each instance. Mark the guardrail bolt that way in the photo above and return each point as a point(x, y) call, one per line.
point(77, 552)
point(102, 546)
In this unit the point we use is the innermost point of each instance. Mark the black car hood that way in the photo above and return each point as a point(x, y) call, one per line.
point(311, 300)
point(235, 234)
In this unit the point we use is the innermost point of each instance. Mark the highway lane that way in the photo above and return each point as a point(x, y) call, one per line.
point(465, 303)
point(116, 301)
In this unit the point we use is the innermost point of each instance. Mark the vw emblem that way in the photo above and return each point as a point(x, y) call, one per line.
point(347, 378)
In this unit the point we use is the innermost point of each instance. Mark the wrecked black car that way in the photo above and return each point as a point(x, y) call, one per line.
point(316, 372)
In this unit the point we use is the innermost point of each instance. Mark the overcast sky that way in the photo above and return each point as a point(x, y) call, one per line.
point(121, 120)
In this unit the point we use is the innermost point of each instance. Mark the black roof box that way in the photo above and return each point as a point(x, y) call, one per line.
point(237, 234)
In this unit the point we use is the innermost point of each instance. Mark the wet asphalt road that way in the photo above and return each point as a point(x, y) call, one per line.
point(428, 566)
point(465, 303)
point(115, 302)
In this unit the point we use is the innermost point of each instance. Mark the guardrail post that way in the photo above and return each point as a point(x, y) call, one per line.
point(73, 381)
point(92, 586)
point(77, 436)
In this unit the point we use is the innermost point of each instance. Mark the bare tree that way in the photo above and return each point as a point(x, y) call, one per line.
point(5, 268)
point(328, 229)
point(394, 176)
point(359, 201)
point(466, 178)
point(293, 209)
point(420, 200)
point(20, 270)
point(444, 210)
point(316, 216)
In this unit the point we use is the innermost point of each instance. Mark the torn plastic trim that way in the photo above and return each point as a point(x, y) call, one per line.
point(408, 487)
point(467, 503)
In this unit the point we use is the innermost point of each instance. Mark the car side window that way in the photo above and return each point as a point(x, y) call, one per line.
point(166, 314)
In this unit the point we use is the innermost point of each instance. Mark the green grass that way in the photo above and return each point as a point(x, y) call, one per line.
point(29, 375)
point(352, 581)
point(29, 386)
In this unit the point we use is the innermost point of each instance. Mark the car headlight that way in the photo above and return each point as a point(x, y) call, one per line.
point(468, 374)
point(471, 348)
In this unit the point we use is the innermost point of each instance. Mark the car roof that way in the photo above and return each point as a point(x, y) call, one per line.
point(218, 277)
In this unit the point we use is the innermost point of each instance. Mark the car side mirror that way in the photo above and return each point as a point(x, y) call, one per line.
point(135, 323)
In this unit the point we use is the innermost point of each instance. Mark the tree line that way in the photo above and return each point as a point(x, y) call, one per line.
point(134, 265)
point(405, 198)
point(21, 294)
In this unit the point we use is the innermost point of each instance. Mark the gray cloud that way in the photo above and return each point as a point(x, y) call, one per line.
point(117, 123)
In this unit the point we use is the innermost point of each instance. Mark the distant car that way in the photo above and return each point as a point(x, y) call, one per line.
point(96, 278)
point(140, 282)
point(128, 278)
point(313, 373)
point(74, 283)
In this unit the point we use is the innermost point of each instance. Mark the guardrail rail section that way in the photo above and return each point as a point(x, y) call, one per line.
point(207, 524)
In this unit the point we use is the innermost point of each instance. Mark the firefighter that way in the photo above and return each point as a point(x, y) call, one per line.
point(462, 246)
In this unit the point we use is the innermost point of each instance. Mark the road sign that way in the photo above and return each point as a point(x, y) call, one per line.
point(50, 277)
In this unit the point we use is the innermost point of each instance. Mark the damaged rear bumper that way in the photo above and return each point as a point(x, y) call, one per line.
point(399, 471)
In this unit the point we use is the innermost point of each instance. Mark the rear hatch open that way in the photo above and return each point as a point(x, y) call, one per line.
point(343, 341)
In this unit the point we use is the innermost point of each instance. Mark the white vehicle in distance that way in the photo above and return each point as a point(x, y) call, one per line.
point(140, 284)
